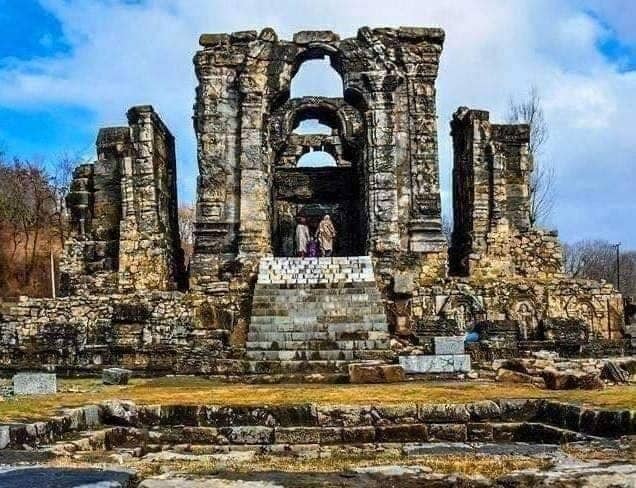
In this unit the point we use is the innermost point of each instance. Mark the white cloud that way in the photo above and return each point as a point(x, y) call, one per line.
point(124, 54)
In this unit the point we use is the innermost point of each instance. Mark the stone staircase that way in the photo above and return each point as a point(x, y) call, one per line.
point(316, 315)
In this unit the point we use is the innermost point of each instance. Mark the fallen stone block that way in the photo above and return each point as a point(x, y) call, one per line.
point(34, 384)
point(116, 376)
point(384, 373)
point(508, 376)
point(564, 380)
point(447, 363)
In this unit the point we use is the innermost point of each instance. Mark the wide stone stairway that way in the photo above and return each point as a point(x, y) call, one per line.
point(313, 315)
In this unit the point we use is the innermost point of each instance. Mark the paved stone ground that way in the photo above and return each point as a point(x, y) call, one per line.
point(43, 477)
point(571, 476)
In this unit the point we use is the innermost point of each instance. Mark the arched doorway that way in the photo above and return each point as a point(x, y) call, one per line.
point(317, 172)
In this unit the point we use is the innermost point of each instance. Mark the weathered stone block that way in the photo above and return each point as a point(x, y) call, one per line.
point(306, 37)
point(483, 410)
point(358, 435)
point(389, 373)
point(34, 384)
point(402, 433)
point(519, 409)
point(479, 432)
point(444, 412)
point(447, 432)
point(448, 345)
point(403, 283)
point(248, 434)
point(116, 376)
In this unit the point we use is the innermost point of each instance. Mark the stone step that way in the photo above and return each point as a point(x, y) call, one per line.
point(288, 337)
point(297, 367)
point(363, 297)
point(318, 307)
point(322, 355)
point(346, 327)
point(317, 345)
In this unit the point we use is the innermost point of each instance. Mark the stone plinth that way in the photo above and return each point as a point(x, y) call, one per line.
point(444, 363)
point(34, 384)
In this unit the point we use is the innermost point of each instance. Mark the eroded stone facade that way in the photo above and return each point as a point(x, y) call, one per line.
point(123, 212)
point(123, 264)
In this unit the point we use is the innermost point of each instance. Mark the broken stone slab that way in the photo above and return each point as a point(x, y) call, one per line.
point(116, 376)
point(381, 373)
point(34, 384)
point(448, 363)
point(566, 380)
point(448, 345)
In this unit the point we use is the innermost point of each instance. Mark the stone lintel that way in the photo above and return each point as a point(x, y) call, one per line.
point(309, 36)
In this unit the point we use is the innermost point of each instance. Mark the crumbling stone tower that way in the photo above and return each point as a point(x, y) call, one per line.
point(123, 209)
point(385, 124)
point(492, 236)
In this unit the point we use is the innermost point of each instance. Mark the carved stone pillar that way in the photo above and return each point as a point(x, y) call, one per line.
point(384, 233)
point(255, 196)
point(425, 229)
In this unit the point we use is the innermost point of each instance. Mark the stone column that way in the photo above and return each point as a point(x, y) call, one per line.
point(255, 196)
point(382, 196)
point(425, 227)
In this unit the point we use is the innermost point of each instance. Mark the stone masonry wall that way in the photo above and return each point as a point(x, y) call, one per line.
point(151, 333)
point(528, 303)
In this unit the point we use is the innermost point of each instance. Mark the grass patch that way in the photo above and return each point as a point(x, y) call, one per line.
point(195, 390)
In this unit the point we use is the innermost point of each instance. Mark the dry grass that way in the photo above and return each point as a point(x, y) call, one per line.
point(193, 390)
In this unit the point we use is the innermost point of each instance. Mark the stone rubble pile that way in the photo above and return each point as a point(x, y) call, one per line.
point(555, 373)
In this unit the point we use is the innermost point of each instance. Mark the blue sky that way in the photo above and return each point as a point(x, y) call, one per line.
point(68, 67)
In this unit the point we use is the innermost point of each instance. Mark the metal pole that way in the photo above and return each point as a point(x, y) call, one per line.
point(618, 265)
point(52, 275)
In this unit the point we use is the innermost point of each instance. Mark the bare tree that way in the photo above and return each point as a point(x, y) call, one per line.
point(596, 260)
point(60, 185)
point(542, 179)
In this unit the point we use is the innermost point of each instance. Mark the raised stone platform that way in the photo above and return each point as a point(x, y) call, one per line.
point(317, 309)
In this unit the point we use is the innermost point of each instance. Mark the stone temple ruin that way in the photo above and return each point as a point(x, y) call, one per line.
point(244, 305)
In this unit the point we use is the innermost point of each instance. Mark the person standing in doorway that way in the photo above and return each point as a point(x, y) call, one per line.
point(326, 235)
point(302, 237)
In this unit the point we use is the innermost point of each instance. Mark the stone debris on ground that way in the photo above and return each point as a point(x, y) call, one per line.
point(116, 376)
point(565, 374)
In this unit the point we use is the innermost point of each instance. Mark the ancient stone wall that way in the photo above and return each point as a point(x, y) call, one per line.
point(123, 212)
point(525, 304)
point(151, 332)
